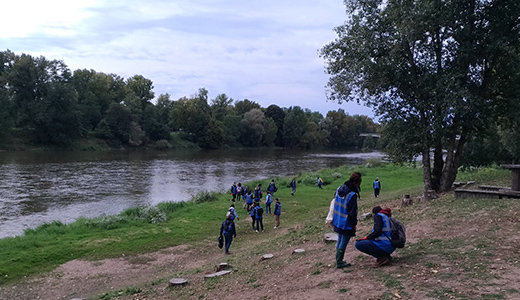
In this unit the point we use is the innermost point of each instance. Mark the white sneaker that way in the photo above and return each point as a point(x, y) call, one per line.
point(256, 231)
point(275, 227)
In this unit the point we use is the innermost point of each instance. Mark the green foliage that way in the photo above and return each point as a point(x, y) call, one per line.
point(106, 222)
point(205, 196)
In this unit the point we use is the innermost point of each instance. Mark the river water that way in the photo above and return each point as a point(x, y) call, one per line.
point(41, 187)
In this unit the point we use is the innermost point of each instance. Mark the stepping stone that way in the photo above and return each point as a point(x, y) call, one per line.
point(177, 281)
point(330, 237)
point(222, 266)
point(298, 251)
point(217, 274)
point(267, 256)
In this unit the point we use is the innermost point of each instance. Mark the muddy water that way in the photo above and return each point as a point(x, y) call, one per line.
point(40, 187)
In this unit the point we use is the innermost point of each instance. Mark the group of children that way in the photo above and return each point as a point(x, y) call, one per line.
point(251, 201)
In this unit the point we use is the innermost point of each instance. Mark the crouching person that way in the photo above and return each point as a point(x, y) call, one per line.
point(377, 243)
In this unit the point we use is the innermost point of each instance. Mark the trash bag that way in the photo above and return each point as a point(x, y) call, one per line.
point(220, 242)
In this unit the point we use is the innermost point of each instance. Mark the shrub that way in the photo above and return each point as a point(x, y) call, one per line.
point(162, 145)
point(107, 222)
point(205, 196)
point(169, 207)
point(152, 214)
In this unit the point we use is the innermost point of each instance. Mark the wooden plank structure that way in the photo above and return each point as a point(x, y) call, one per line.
point(494, 192)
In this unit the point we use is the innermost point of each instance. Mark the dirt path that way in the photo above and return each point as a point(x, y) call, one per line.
point(484, 264)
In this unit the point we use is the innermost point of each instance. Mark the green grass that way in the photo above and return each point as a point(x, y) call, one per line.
point(142, 230)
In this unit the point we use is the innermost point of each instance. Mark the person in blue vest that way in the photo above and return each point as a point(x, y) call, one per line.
point(268, 201)
point(259, 216)
point(234, 192)
point(233, 212)
point(272, 187)
point(377, 187)
point(293, 186)
point(228, 231)
point(378, 243)
point(249, 200)
point(244, 194)
point(319, 182)
point(253, 215)
point(258, 192)
point(277, 212)
point(344, 219)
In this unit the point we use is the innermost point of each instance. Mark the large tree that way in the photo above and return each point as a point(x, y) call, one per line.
point(437, 73)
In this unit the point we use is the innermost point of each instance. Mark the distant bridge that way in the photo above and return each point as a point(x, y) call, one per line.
point(374, 135)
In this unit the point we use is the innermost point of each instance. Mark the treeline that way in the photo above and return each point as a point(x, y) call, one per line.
point(42, 101)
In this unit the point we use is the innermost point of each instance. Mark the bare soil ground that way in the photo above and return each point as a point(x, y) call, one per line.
point(475, 256)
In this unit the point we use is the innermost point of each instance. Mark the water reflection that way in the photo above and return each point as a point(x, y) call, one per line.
point(39, 187)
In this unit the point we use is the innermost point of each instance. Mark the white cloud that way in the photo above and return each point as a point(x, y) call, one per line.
point(265, 51)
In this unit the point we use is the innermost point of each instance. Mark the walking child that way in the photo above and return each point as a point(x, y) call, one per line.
point(293, 186)
point(228, 231)
point(277, 212)
point(252, 214)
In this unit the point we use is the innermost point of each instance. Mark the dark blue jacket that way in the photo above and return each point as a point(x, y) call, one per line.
point(277, 208)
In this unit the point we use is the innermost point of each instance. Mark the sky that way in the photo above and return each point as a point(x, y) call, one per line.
point(265, 51)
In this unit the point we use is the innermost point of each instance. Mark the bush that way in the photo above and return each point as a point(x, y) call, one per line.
point(205, 196)
point(152, 214)
point(55, 227)
point(162, 145)
point(107, 222)
point(169, 207)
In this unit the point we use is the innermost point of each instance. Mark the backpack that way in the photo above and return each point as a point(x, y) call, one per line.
point(227, 226)
point(398, 233)
point(259, 211)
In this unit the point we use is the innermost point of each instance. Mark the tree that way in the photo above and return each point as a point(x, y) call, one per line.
point(294, 126)
point(253, 128)
point(436, 72)
point(278, 115)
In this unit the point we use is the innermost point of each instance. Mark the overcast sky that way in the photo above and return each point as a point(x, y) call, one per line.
point(264, 51)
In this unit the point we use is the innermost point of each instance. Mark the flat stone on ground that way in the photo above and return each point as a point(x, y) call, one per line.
point(177, 281)
point(330, 237)
point(217, 274)
point(267, 256)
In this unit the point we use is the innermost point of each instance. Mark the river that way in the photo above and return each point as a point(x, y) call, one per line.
point(41, 187)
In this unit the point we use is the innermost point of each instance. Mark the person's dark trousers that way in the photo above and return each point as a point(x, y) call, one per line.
point(268, 208)
point(368, 247)
point(260, 224)
point(228, 239)
point(253, 223)
point(376, 193)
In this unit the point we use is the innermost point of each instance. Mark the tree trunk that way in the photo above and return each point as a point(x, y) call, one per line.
point(426, 170)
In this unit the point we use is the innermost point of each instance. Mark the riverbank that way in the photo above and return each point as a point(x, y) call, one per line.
point(443, 258)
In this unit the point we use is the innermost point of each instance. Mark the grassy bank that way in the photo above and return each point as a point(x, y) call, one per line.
point(138, 230)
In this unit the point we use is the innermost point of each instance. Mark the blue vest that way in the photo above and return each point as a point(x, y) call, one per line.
point(233, 189)
point(376, 184)
point(383, 241)
point(277, 208)
point(268, 199)
point(340, 219)
point(249, 198)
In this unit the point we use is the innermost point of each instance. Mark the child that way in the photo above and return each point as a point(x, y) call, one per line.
point(259, 212)
point(233, 212)
point(252, 212)
point(244, 193)
point(320, 182)
point(249, 200)
point(277, 212)
point(233, 192)
point(228, 230)
point(293, 186)
point(268, 201)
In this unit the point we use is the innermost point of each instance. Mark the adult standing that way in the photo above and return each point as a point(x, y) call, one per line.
point(228, 231)
point(378, 243)
point(293, 186)
point(377, 187)
point(344, 218)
